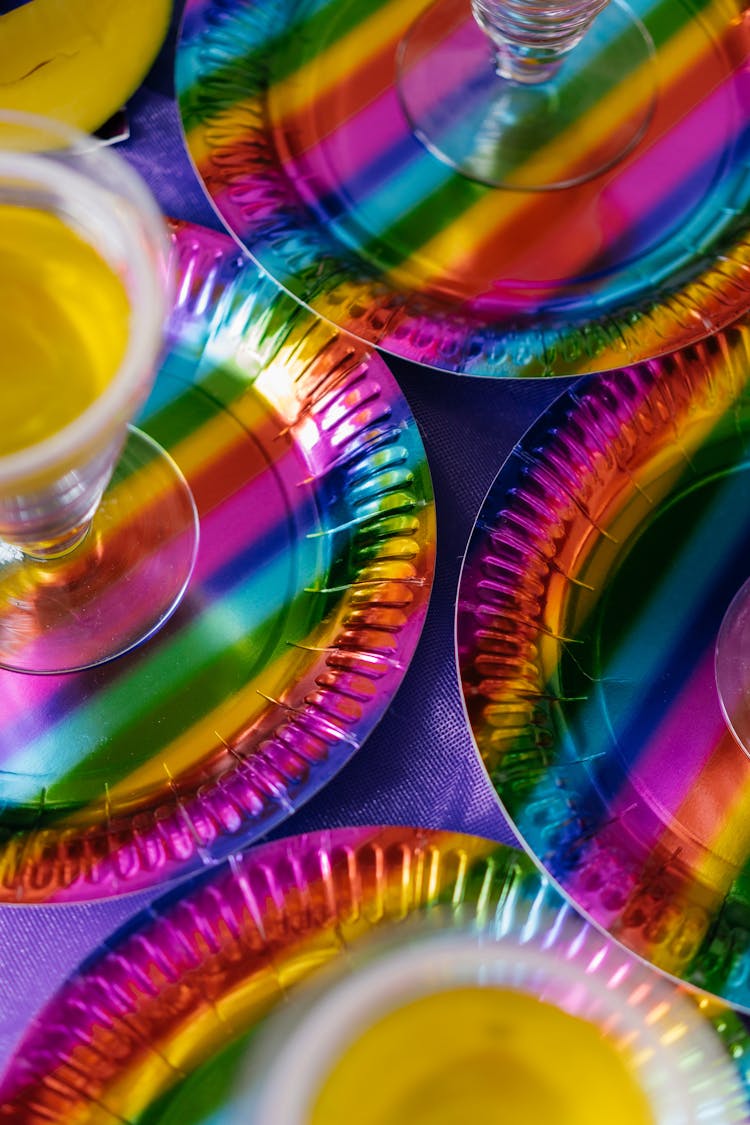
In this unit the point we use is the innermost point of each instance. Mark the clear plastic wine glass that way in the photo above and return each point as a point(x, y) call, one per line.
point(525, 94)
point(98, 528)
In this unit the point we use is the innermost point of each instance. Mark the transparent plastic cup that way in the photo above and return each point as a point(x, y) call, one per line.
point(70, 595)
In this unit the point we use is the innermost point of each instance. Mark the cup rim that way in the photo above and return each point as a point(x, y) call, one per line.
point(308, 1036)
point(147, 315)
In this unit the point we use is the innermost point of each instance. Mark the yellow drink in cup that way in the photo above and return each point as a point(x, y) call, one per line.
point(64, 315)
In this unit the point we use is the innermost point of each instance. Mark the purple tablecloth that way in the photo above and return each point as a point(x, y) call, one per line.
point(420, 765)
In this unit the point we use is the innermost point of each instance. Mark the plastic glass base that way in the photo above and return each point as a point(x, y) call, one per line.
point(518, 135)
point(732, 667)
point(118, 586)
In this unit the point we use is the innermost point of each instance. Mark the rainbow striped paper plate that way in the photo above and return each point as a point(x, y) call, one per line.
point(292, 118)
point(311, 584)
point(155, 1027)
point(595, 583)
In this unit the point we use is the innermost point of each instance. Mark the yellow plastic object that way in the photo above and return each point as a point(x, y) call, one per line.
point(78, 60)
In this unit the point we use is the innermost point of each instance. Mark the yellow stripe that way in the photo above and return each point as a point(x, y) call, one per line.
point(711, 877)
point(223, 132)
point(209, 737)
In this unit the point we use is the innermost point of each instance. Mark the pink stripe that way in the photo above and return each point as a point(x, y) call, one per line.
point(369, 134)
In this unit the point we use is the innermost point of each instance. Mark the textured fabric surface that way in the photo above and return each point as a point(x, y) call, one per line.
point(419, 766)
